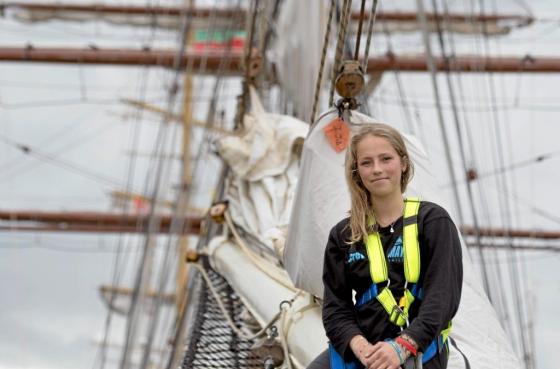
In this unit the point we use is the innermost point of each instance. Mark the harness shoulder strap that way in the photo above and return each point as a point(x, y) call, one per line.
point(376, 255)
point(410, 240)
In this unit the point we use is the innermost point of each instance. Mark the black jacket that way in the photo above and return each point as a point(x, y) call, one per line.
point(441, 276)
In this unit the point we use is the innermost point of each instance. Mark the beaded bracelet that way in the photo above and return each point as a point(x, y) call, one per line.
point(407, 345)
point(398, 351)
point(409, 339)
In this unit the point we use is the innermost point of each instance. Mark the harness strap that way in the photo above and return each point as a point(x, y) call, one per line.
point(454, 344)
point(410, 240)
point(398, 313)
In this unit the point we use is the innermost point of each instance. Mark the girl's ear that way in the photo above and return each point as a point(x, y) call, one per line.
point(404, 164)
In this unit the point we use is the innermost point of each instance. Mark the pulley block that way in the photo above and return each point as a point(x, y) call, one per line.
point(255, 63)
point(350, 80)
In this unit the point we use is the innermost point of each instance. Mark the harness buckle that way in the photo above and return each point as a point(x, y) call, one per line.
point(397, 313)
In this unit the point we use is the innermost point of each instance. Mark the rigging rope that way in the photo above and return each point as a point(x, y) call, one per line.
point(264, 265)
point(322, 63)
point(118, 269)
point(372, 16)
point(462, 151)
point(185, 196)
point(431, 66)
point(519, 292)
point(248, 52)
point(229, 321)
point(212, 343)
point(359, 34)
point(340, 45)
point(142, 273)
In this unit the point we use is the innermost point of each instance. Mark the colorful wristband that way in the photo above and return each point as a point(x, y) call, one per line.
point(407, 345)
point(398, 351)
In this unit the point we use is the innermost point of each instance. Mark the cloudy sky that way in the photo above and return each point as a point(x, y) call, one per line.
point(51, 314)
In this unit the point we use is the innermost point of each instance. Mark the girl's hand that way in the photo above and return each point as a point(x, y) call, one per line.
point(362, 349)
point(383, 356)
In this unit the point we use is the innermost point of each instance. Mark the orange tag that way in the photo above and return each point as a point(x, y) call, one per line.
point(337, 133)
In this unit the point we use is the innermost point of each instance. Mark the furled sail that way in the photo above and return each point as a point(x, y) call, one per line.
point(264, 161)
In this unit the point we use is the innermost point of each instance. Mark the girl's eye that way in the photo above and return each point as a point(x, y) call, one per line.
point(365, 163)
point(387, 158)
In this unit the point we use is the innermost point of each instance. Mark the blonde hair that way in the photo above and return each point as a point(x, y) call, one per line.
point(361, 208)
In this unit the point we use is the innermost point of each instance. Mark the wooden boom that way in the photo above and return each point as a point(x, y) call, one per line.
point(96, 222)
point(230, 62)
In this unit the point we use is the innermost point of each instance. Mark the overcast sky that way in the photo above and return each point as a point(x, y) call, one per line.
point(51, 315)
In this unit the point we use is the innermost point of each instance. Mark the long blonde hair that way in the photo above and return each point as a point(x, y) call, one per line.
point(361, 208)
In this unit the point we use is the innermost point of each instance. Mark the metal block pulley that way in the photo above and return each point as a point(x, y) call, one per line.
point(350, 80)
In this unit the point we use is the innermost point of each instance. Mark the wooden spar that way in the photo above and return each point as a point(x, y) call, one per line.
point(111, 221)
point(174, 117)
point(197, 12)
point(400, 16)
point(548, 248)
point(123, 291)
point(507, 233)
point(160, 58)
point(89, 222)
point(240, 13)
point(211, 60)
point(467, 63)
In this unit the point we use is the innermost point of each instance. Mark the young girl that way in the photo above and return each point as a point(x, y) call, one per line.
point(392, 285)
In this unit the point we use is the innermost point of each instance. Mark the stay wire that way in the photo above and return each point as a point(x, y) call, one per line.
point(118, 268)
point(372, 16)
point(248, 52)
point(458, 132)
point(500, 298)
point(359, 34)
point(185, 196)
point(26, 149)
point(164, 269)
point(405, 108)
point(431, 66)
point(20, 165)
point(152, 221)
point(506, 211)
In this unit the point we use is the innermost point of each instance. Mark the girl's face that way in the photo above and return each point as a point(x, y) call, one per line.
point(380, 167)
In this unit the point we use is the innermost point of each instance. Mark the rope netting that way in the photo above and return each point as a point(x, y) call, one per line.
point(212, 343)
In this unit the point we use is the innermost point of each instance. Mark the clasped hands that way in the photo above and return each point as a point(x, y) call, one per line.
point(380, 355)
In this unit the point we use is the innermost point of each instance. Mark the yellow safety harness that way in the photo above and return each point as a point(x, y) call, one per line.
point(398, 313)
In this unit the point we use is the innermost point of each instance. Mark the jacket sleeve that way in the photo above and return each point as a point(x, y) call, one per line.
point(442, 281)
point(339, 317)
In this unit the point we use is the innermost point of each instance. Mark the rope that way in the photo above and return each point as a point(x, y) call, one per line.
point(372, 16)
point(211, 343)
point(143, 270)
point(322, 64)
point(249, 45)
point(340, 45)
point(283, 339)
point(277, 274)
point(230, 322)
point(359, 34)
